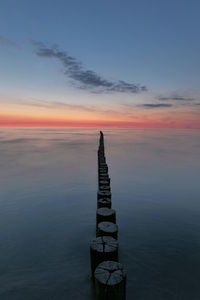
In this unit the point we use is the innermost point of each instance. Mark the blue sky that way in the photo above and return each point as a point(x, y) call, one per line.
point(151, 43)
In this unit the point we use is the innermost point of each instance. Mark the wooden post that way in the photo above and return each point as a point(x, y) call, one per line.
point(103, 173)
point(101, 249)
point(104, 182)
point(105, 214)
point(104, 202)
point(103, 167)
point(110, 281)
point(104, 177)
point(104, 188)
point(107, 228)
point(103, 194)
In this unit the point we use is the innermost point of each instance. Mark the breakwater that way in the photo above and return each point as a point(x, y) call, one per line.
point(108, 274)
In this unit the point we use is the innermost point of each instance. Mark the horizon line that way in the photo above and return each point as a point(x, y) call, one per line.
point(96, 126)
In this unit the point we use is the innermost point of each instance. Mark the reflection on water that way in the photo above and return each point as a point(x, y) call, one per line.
point(47, 211)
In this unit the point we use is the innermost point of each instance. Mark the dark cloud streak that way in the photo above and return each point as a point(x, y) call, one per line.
point(157, 105)
point(86, 79)
point(175, 98)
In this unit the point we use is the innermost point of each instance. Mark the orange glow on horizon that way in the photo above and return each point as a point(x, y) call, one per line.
point(21, 115)
point(17, 121)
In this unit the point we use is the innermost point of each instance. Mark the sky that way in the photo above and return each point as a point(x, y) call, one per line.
point(108, 63)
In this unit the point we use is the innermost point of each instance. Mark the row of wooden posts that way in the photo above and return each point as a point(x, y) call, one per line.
point(108, 274)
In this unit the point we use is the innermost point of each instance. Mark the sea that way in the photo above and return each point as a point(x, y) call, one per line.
point(48, 199)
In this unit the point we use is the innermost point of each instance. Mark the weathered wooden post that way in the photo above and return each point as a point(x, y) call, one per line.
point(101, 249)
point(107, 228)
point(104, 188)
point(105, 214)
point(103, 173)
point(104, 202)
point(104, 177)
point(104, 182)
point(110, 281)
point(103, 167)
point(103, 194)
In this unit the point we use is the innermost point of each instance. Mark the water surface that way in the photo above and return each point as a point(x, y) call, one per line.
point(48, 183)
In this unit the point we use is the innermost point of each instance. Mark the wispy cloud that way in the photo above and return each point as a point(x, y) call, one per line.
point(59, 105)
point(157, 105)
point(84, 78)
point(5, 42)
point(176, 98)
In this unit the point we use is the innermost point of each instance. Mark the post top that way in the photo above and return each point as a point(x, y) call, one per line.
point(110, 273)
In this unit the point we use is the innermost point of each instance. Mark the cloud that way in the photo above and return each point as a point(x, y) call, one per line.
point(158, 105)
point(85, 79)
point(59, 105)
point(69, 106)
point(100, 110)
point(175, 98)
point(4, 42)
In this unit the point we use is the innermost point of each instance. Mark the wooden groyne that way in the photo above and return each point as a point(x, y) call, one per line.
point(108, 274)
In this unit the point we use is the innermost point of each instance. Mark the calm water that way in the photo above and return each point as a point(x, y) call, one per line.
point(48, 183)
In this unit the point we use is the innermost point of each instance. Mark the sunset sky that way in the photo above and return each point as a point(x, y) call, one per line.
point(108, 63)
